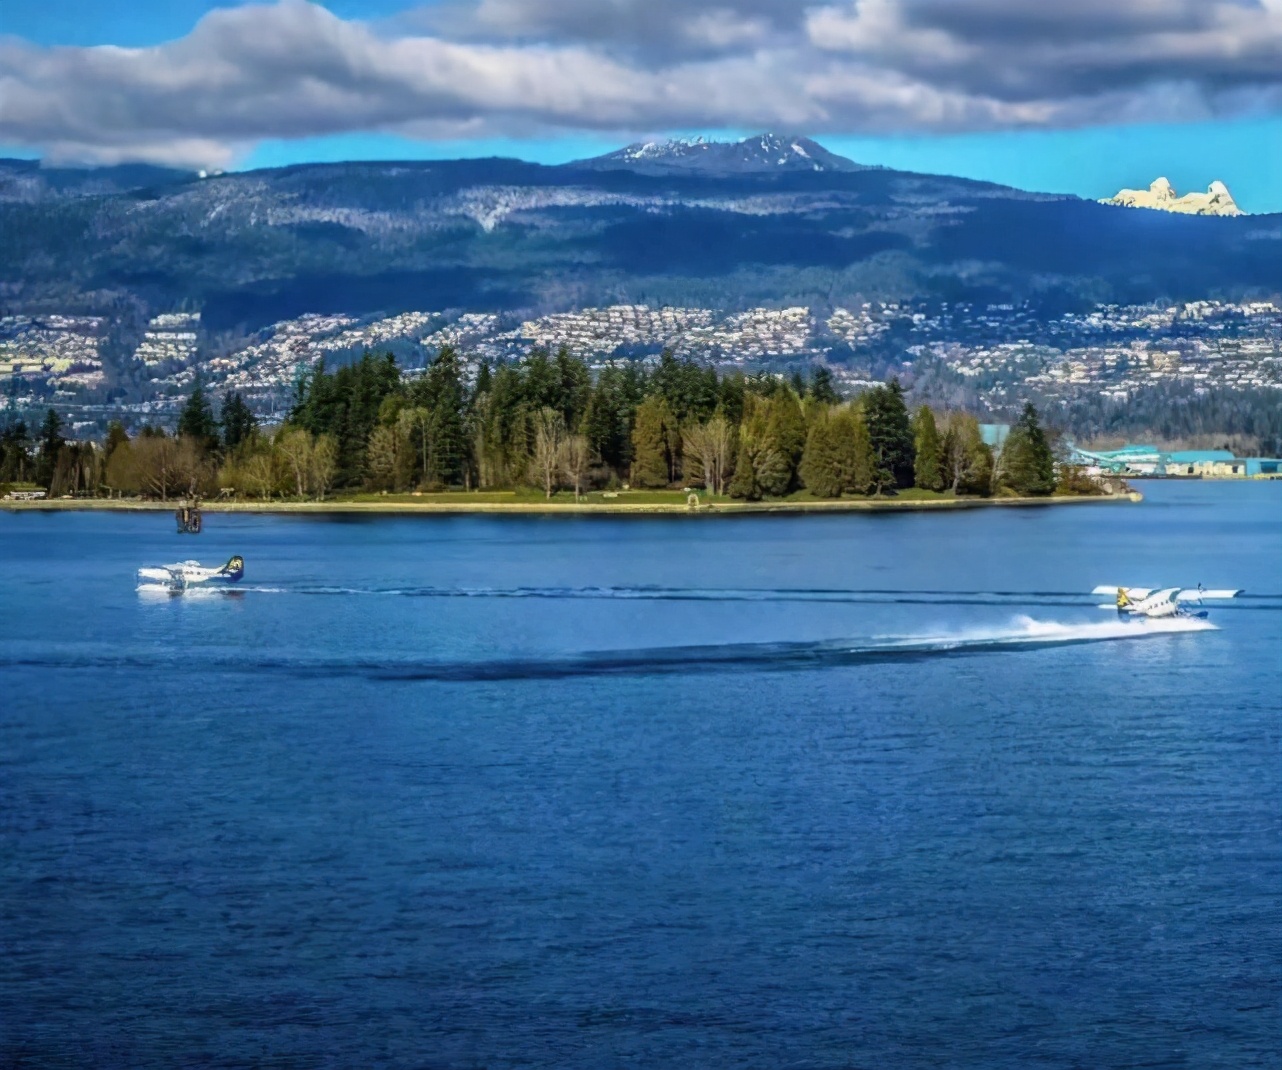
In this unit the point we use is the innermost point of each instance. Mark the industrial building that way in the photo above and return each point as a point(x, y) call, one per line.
point(1141, 460)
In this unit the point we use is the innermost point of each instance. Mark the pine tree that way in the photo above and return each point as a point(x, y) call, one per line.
point(443, 444)
point(666, 382)
point(1027, 462)
point(605, 423)
point(729, 397)
point(51, 443)
point(237, 419)
point(542, 382)
point(821, 387)
point(651, 457)
point(505, 431)
point(484, 377)
point(15, 452)
point(891, 436)
point(781, 445)
point(575, 383)
point(116, 434)
point(196, 421)
point(853, 449)
point(928, 463)
point(754, 444)
point(821, 467)
point(347, 405)
point(865, 461)
point(744, 483)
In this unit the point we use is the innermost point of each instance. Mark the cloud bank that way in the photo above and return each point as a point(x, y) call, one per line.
point(475, 68)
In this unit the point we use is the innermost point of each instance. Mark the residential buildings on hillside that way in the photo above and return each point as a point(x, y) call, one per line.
point(998, 353)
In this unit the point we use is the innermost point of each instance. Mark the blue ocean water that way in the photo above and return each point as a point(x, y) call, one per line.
point(842, 791)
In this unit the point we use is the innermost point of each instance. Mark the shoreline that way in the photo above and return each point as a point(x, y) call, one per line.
point(554, 508)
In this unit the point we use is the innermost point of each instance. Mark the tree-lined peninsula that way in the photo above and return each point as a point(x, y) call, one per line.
point(548, 423)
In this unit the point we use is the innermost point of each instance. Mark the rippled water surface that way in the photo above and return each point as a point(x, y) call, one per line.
point(862, 791)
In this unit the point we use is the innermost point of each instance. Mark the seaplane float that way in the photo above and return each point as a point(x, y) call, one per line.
point(1153, 603)
point(192, 574)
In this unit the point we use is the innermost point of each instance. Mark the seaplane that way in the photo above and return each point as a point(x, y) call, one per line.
point(1153, 603)
point(193, 574)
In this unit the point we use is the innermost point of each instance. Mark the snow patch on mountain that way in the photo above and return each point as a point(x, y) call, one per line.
point(754, 155)
point(1161, 195)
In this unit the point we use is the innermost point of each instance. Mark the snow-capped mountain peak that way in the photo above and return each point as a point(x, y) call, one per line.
point(763, 153)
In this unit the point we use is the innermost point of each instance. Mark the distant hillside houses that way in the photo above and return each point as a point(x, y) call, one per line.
point(170, 338)
point(1140, 460)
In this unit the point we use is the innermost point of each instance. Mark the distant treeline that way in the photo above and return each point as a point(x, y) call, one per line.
point(1217, 415)
point(548, 422)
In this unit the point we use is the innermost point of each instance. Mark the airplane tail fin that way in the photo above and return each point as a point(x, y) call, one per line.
point(234, 569)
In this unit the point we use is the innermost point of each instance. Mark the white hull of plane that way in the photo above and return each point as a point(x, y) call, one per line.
point(1148, 603)
point(192, 573)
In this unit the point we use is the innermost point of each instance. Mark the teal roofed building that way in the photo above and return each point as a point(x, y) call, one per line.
point(1131, 459)
point(1141, 460)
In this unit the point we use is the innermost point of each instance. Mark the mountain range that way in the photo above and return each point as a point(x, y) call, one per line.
point(764, 154)
point(774, 219)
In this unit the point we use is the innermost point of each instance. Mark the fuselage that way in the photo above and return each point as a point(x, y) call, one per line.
point(1164, 603)
point(189, 573)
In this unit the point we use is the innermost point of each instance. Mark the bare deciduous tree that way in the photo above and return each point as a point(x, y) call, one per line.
point(578, 456)
point(324, 463)
point(965, 458)
point(382, 457)
point(156, 457)
point(123, 475)
point(549, 448)
point(295, 450)
point(711, 446)
point(257, 474)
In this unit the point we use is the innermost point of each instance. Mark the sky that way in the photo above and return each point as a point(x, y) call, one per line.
point(1082, 98)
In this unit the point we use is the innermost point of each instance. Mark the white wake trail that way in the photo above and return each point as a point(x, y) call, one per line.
point(1027, 630)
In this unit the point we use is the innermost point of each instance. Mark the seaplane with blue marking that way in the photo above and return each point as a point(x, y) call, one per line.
point(187, 574)
point(1155, 603)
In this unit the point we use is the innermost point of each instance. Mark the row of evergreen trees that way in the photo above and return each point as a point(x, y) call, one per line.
point(47, 459)
point(154, 463)
point(548, 422)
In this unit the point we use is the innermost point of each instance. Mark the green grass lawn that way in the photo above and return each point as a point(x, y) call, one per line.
point(530, 496)
point(916, 494)
point(534, 496)
point(912, 494)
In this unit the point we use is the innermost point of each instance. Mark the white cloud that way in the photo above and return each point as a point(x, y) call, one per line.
point(480, 67)
point(1024, 50)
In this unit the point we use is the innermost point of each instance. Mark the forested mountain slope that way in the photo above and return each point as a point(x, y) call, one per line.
point(251, 248)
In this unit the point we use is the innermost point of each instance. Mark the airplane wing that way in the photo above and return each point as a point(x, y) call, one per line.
point(1150, 602)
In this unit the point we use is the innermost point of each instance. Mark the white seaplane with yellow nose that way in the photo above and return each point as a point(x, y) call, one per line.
point(1154, 603)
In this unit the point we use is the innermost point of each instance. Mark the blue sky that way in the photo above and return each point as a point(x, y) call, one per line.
point(554, 80)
